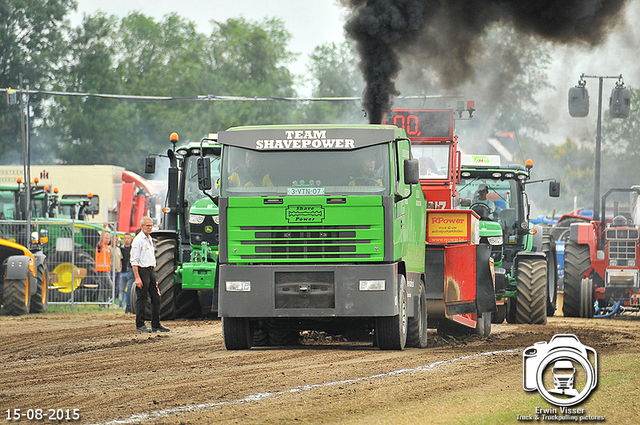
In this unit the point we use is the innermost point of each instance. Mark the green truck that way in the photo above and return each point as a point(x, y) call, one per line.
point(321, 228)
point(524, 258)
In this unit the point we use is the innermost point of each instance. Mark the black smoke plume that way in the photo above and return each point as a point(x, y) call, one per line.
point(444, 35)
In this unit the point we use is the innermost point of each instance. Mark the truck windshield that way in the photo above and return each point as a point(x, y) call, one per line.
point(362, 171)
point(434, 160)
point(191, 191)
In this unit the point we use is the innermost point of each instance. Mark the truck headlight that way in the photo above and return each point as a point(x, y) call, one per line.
point(631, 263)
point(196, 219)
point(238, 286)
point(372, 285)
point(613, 263)
point(216, 219)
point(495, 240)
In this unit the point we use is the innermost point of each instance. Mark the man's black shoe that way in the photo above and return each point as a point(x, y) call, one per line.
point(161, 329)
point(143, 328)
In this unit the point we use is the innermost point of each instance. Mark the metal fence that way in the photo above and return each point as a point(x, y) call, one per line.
point(70, 259)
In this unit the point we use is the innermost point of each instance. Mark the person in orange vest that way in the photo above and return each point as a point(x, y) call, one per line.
point(103, 265)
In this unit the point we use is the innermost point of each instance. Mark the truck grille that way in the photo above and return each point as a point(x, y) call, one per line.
point(297, 242)
point(622, 245)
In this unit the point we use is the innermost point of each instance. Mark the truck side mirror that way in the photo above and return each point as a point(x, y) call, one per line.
point(150, 165)
point(204, 174)
point(411, 171)
point(554, 189)
point(578, 101)
point(620, 102)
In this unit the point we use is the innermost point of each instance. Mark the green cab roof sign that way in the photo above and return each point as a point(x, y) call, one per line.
point(307, 137)
point(481, 160)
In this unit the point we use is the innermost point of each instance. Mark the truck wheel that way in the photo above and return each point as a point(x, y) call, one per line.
point(577, 261)
point(391, 331)
point(39, 300)
point(586, 299)
point(237, 333)
point(531, 301)
point(417, 325)
point(499, 315)
point(549, 248)
point(16, 298)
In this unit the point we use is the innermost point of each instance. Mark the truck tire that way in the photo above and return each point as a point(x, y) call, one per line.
point(586, 299)
point(39, 301)
point(549, 248)
point(577, 261)
point(417, 325)
point(237, 333)
point(531, 301)
point(15, 297)
point(391, 331)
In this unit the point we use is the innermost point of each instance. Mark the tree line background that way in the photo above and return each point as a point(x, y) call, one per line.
point(137, 55)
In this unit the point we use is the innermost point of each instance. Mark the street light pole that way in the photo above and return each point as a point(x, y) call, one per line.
point(596, 184)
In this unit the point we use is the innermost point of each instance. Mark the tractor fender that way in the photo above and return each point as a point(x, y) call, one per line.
point(537, 238)
point(18, 267)
point(39, 257)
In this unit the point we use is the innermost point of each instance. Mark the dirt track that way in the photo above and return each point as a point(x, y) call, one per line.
point(96, 363)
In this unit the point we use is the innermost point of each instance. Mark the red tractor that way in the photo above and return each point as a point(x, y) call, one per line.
point(460, 287)
point(601, 262)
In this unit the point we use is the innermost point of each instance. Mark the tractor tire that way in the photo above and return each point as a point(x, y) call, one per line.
point(237, 333)
point(586, 299)
point(15, 297)
point(498, 316)
point(549, 248)
point(577, 260)
point(66, 282)
point(531, 301)
point(417, 325)
point(391, 331)
point(39, 301)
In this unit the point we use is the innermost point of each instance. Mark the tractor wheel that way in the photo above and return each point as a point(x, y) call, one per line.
point(71, 277)
point(417, 325)
point(39, 300)
point(391, 331)
point(499, 315)
point(165, 266)
point(586, 299)
point(577, 261)
point(549, 248)
point(531, 301)
point(16, 298)
point(237, 333)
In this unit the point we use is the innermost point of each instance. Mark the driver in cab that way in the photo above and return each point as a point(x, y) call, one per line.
point(249, 173)
point(366, 175)
point(485, 208)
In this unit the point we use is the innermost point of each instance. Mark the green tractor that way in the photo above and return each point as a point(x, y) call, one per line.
point(71, 243)
point(525, 261)
point(187, 241)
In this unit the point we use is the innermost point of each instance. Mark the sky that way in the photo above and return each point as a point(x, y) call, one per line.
point(313, 23)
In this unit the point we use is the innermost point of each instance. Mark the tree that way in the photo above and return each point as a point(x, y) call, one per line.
point(32, 40)
point(334, 74)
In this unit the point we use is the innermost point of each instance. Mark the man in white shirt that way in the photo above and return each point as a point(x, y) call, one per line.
point(143, 261)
